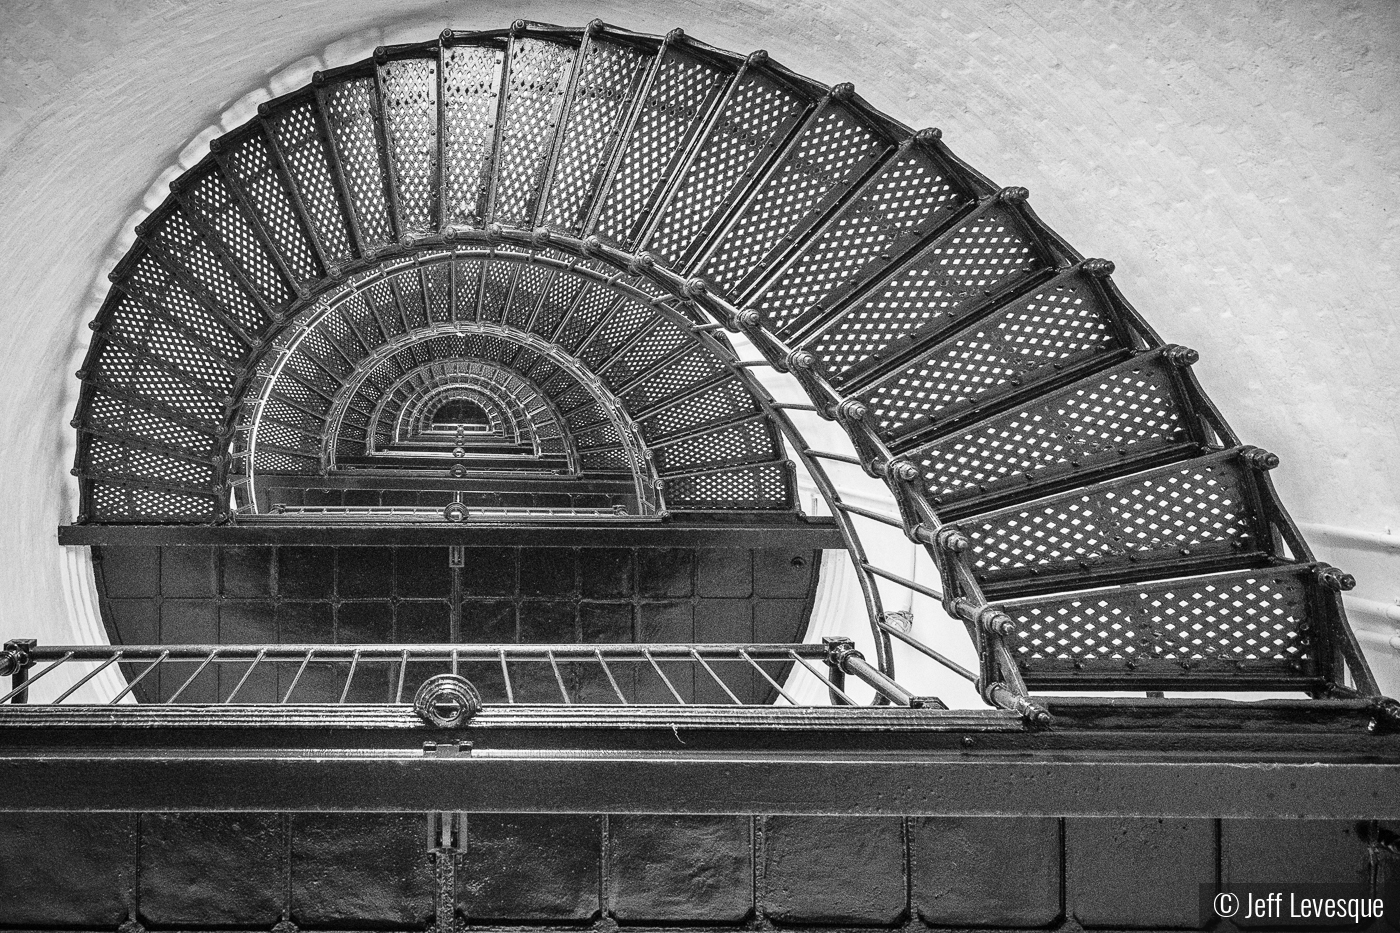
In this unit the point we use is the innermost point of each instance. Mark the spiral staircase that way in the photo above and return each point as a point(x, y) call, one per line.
point(509, 279)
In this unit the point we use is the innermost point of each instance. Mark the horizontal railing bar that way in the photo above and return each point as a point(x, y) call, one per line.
point(876, 516)
point(919, 646)
point(424, 652)
point(896, 578)
point(839, 458)
point(855, 664)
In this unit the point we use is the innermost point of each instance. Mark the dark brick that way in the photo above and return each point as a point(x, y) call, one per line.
point(247, 571)
point(548, 622)
point(488, 621)
point(1107, 860)
point(834, 869)
point(64, 868)
point(360, 869)
point(681, 868)
point(605, 573)
point(724, 572)
point(424, 622)
point(364, 572)
point(370, 622)
point(187, 571)
point(530, 867)
point(130, 571)
point(423, 573)
point(665, 571)
point(488, 571)
point(211, 868)
point(1292, 851)
point(783, 572)
point(548, 571)
point(305, 572)
point(985, 870)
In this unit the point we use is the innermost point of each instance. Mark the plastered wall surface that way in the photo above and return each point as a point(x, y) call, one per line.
point(1239, 162)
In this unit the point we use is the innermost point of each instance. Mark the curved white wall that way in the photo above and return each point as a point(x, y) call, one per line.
point(1237, 161)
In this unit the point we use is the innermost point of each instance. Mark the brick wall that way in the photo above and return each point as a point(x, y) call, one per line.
point(373, 871)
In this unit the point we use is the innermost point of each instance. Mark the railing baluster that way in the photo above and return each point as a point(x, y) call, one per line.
point(817, 674)
point(866, 513)
point(664, 679)
point(722, 685)
point(612, 680)
point(919, 646)
point(559, 678)
point(25, 685)
point(139, 677)
point(116, 656)
point(239, 686)
point(907, 584)
point(288, 695)
point(403, 670)
point(350, 677)
point(197, 671)
point(777, 686)
point(505, 675)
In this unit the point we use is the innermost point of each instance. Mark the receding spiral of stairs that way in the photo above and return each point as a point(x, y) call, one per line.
point(585, 212)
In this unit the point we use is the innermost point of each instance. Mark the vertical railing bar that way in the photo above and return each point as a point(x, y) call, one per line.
point(139, 677)
point(403, 669)
point(30, 682)
point(288, 695)
point(559, 678)
point(505, 674)
point(197, 671)
point(612, 680)
point(777, 686)
point(239, 686)
point(455, 661)
point(350, 677)
point(722, 685)
point(90, 675)
point(837, 690)
point(664, 679)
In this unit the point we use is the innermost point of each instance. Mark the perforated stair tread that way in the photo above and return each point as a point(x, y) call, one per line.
point(537, 218)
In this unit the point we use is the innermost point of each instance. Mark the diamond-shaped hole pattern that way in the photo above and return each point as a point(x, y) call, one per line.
point(602, 96)
point(215, 204)
point(297, 138)
point(350, 114)
point(741, 443)
point(254, 171)
point(978, 258)
point(674, 103)
point(762, 486)
point(1253, 617)
point(823, 158)
point(411, 125)
point(1005, 350)
point(745, 134)
point(1120, 412)
point(539, 74)
point(1201, 507)
point(470, 79)
point(911, 191)
point(187, 249)
point(717, 403)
